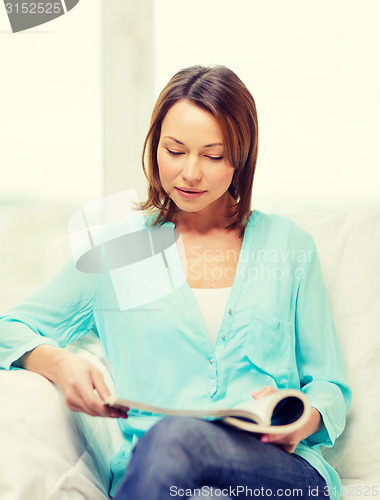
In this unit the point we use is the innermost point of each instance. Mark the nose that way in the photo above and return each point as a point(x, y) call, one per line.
point(191, 171)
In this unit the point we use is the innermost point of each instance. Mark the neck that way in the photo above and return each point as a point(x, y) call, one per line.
point(216, 216)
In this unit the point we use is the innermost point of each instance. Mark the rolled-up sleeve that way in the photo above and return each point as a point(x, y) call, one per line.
point(58, 313)
point(319, 357)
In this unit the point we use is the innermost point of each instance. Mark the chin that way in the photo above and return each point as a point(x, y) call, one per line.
point(184, 207)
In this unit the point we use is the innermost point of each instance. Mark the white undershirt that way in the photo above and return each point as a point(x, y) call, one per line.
point(212, 302)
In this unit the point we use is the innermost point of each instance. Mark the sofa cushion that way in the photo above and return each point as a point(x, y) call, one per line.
point(349, 248)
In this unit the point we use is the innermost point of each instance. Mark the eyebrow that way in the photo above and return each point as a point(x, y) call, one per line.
point(182, 144)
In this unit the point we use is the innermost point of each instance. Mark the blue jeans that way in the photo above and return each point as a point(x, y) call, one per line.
point(183, 457)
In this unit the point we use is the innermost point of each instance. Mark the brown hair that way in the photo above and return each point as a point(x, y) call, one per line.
point(221, 92)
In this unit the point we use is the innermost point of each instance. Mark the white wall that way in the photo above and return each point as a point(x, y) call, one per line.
point(51, 107)
point(313, 69)
point(128, 91)
point(51, 140)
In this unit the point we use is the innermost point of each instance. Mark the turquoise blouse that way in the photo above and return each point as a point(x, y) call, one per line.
point(277, 330)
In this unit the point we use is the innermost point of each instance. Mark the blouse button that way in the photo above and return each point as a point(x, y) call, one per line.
point(229, 311)
point(210, 361)
point(223, 337)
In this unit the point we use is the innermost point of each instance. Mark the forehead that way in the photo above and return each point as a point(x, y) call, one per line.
point(187, 119)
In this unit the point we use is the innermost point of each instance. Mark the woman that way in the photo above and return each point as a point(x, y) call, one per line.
point(250, 317)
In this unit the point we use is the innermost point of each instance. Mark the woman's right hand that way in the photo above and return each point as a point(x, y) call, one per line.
point(82, 384)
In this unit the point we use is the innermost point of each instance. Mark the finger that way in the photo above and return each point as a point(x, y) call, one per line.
point(79, 407)
point(104, 394)
point(84, 404)
point(99, 394)
point(84, 397)
point(280, 441)
point(265, 391)
point(105, 411)
point(272, 438)
point(112, 413)
point(100, 385)
point(99, 407)
point(94, 404)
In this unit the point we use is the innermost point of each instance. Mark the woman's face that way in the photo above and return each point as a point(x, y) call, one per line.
point(191, 161)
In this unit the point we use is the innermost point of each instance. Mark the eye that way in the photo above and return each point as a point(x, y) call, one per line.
point(173, 153)
point(215, 158)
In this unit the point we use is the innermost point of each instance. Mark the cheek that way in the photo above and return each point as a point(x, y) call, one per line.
point(225, 178)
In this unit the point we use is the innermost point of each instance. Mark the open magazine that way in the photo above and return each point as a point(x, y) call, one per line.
point(280, 412)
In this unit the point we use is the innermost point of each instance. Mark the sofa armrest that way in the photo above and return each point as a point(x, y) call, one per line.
point(46, 450)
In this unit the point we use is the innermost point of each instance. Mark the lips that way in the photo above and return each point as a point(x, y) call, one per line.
point(189, 193)
point(190, 190)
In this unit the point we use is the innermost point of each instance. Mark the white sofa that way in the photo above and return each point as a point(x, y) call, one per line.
point(47, 452)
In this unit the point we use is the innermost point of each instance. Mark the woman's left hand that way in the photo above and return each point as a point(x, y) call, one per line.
point(289, 441)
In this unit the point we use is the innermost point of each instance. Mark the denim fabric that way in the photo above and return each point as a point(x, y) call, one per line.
point(184, 457)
